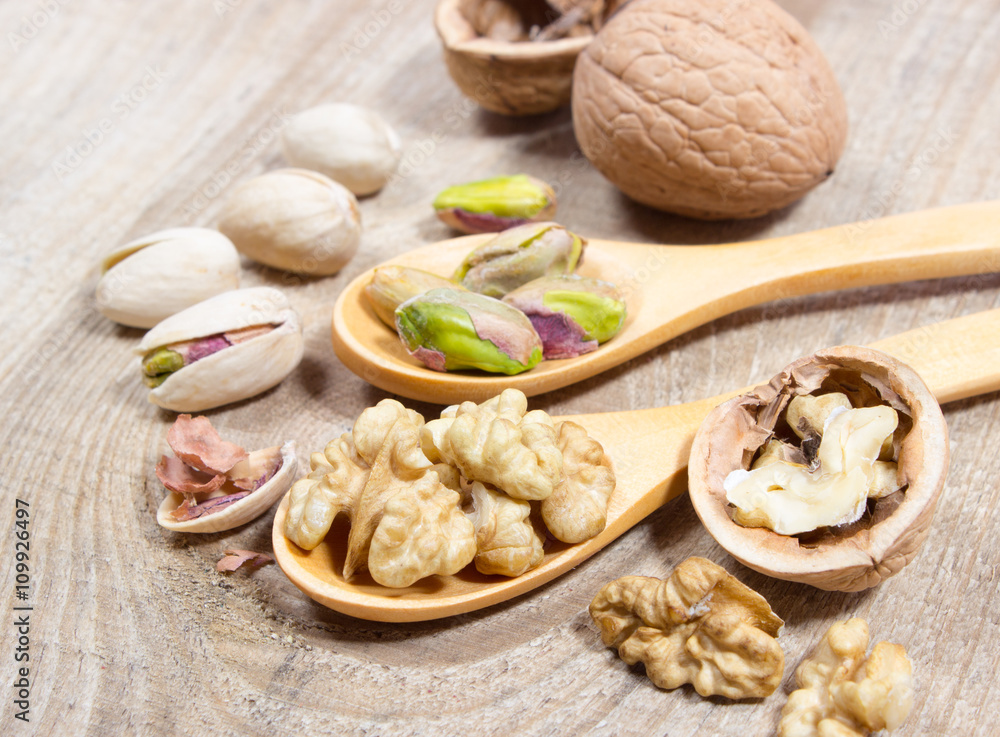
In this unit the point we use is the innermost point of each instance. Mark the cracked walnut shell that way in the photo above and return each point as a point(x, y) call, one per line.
point(892, 527)
point(700, 626)
point(516, 57)
point(709, 109)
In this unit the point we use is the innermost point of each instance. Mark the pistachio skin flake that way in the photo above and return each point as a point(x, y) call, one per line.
point(493, 205)
point(572, 314)
point(518, 256)
point(451, 329)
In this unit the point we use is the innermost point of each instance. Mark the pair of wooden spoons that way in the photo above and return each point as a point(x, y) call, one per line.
point(956, 359)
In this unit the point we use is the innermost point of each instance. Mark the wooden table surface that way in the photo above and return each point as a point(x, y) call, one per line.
point(122, 118)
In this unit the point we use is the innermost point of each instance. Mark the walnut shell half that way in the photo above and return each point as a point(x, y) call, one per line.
point(708, 108)
point(889, 534)
point(516, 57)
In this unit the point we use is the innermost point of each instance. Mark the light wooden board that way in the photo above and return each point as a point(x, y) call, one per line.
point(121, 118)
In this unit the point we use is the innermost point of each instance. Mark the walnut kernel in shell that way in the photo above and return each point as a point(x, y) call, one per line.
point(850, 557)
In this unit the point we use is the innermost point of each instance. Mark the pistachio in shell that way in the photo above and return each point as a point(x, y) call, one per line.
point(572, 314)
point(230, 347)
point(451, 329)
point(150, 278)
point(520, 255)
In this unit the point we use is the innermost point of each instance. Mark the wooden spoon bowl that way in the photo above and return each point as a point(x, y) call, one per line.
point(672, 289)
point(650, 450)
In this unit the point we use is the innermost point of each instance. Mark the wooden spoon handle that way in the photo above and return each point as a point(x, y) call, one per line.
point(699, 284)
point(956, 359)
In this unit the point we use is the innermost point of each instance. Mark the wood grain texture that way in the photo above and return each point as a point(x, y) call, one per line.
point(133, 631)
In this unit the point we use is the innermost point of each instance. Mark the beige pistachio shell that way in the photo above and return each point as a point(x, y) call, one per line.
point(148, 279)
point(239, 371)
point(850, 557)
point(293, 219)
point(348, 143)
point(500, 71)
point(245, 510)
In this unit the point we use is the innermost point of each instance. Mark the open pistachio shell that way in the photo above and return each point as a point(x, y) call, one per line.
point(148, 279)
point(238, 371)
point(849, 557)
point(239, 513)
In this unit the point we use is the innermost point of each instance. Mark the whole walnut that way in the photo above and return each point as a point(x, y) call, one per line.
point(708, 108)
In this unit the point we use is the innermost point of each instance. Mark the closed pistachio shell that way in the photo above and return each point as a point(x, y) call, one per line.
point(519, 255)
point(492, 205)
point(348, 143)
point(264, 344)
point(294, 219)
point(239, 513)
point(451, 329)
point(572, 314)
point(148, 279)
point(392, 285)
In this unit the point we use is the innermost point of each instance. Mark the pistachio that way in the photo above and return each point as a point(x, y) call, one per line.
point(519, 255)
point(229, 347)
point(348, 143)
point(492, 205)
point(572, 314)
point(151, 278)
point(392, 285)
point(450, 329)
point(293, 219)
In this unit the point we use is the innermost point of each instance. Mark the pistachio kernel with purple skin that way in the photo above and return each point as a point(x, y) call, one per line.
point(572, 314)
point(160, 363)
point(493, 205)
point(451, 329)
point(518, 256)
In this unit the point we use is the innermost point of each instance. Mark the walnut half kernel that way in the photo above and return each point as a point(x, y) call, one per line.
point(841, 692)
point(473, 486)
point(700, 626)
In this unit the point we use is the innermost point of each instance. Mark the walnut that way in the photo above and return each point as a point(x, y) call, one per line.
point(578, 508)
point(896, 512)
point(405, 523)
point(844, 694)
point(708, 108)
point(507, 542)
point(700, 626)
point(499, 443)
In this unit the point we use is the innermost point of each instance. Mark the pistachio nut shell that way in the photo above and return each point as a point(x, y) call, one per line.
point(451, 329)
point(294, 219)
point(493, 205)
point(240, 371)
point(245, 510)
point(572, 314)
point(392, 285)
point(348, 143)
point(519, 255)
point(148, 279)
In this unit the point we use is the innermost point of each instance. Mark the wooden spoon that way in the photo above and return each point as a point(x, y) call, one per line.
point(672, 289)
point(649, 448)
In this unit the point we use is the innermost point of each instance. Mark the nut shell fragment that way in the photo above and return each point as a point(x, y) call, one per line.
point(889, 535)
point(239, 513)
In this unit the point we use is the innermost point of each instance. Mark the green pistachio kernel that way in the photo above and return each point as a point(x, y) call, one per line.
point(159, 364)
point(492, 205)
point(451, 329)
